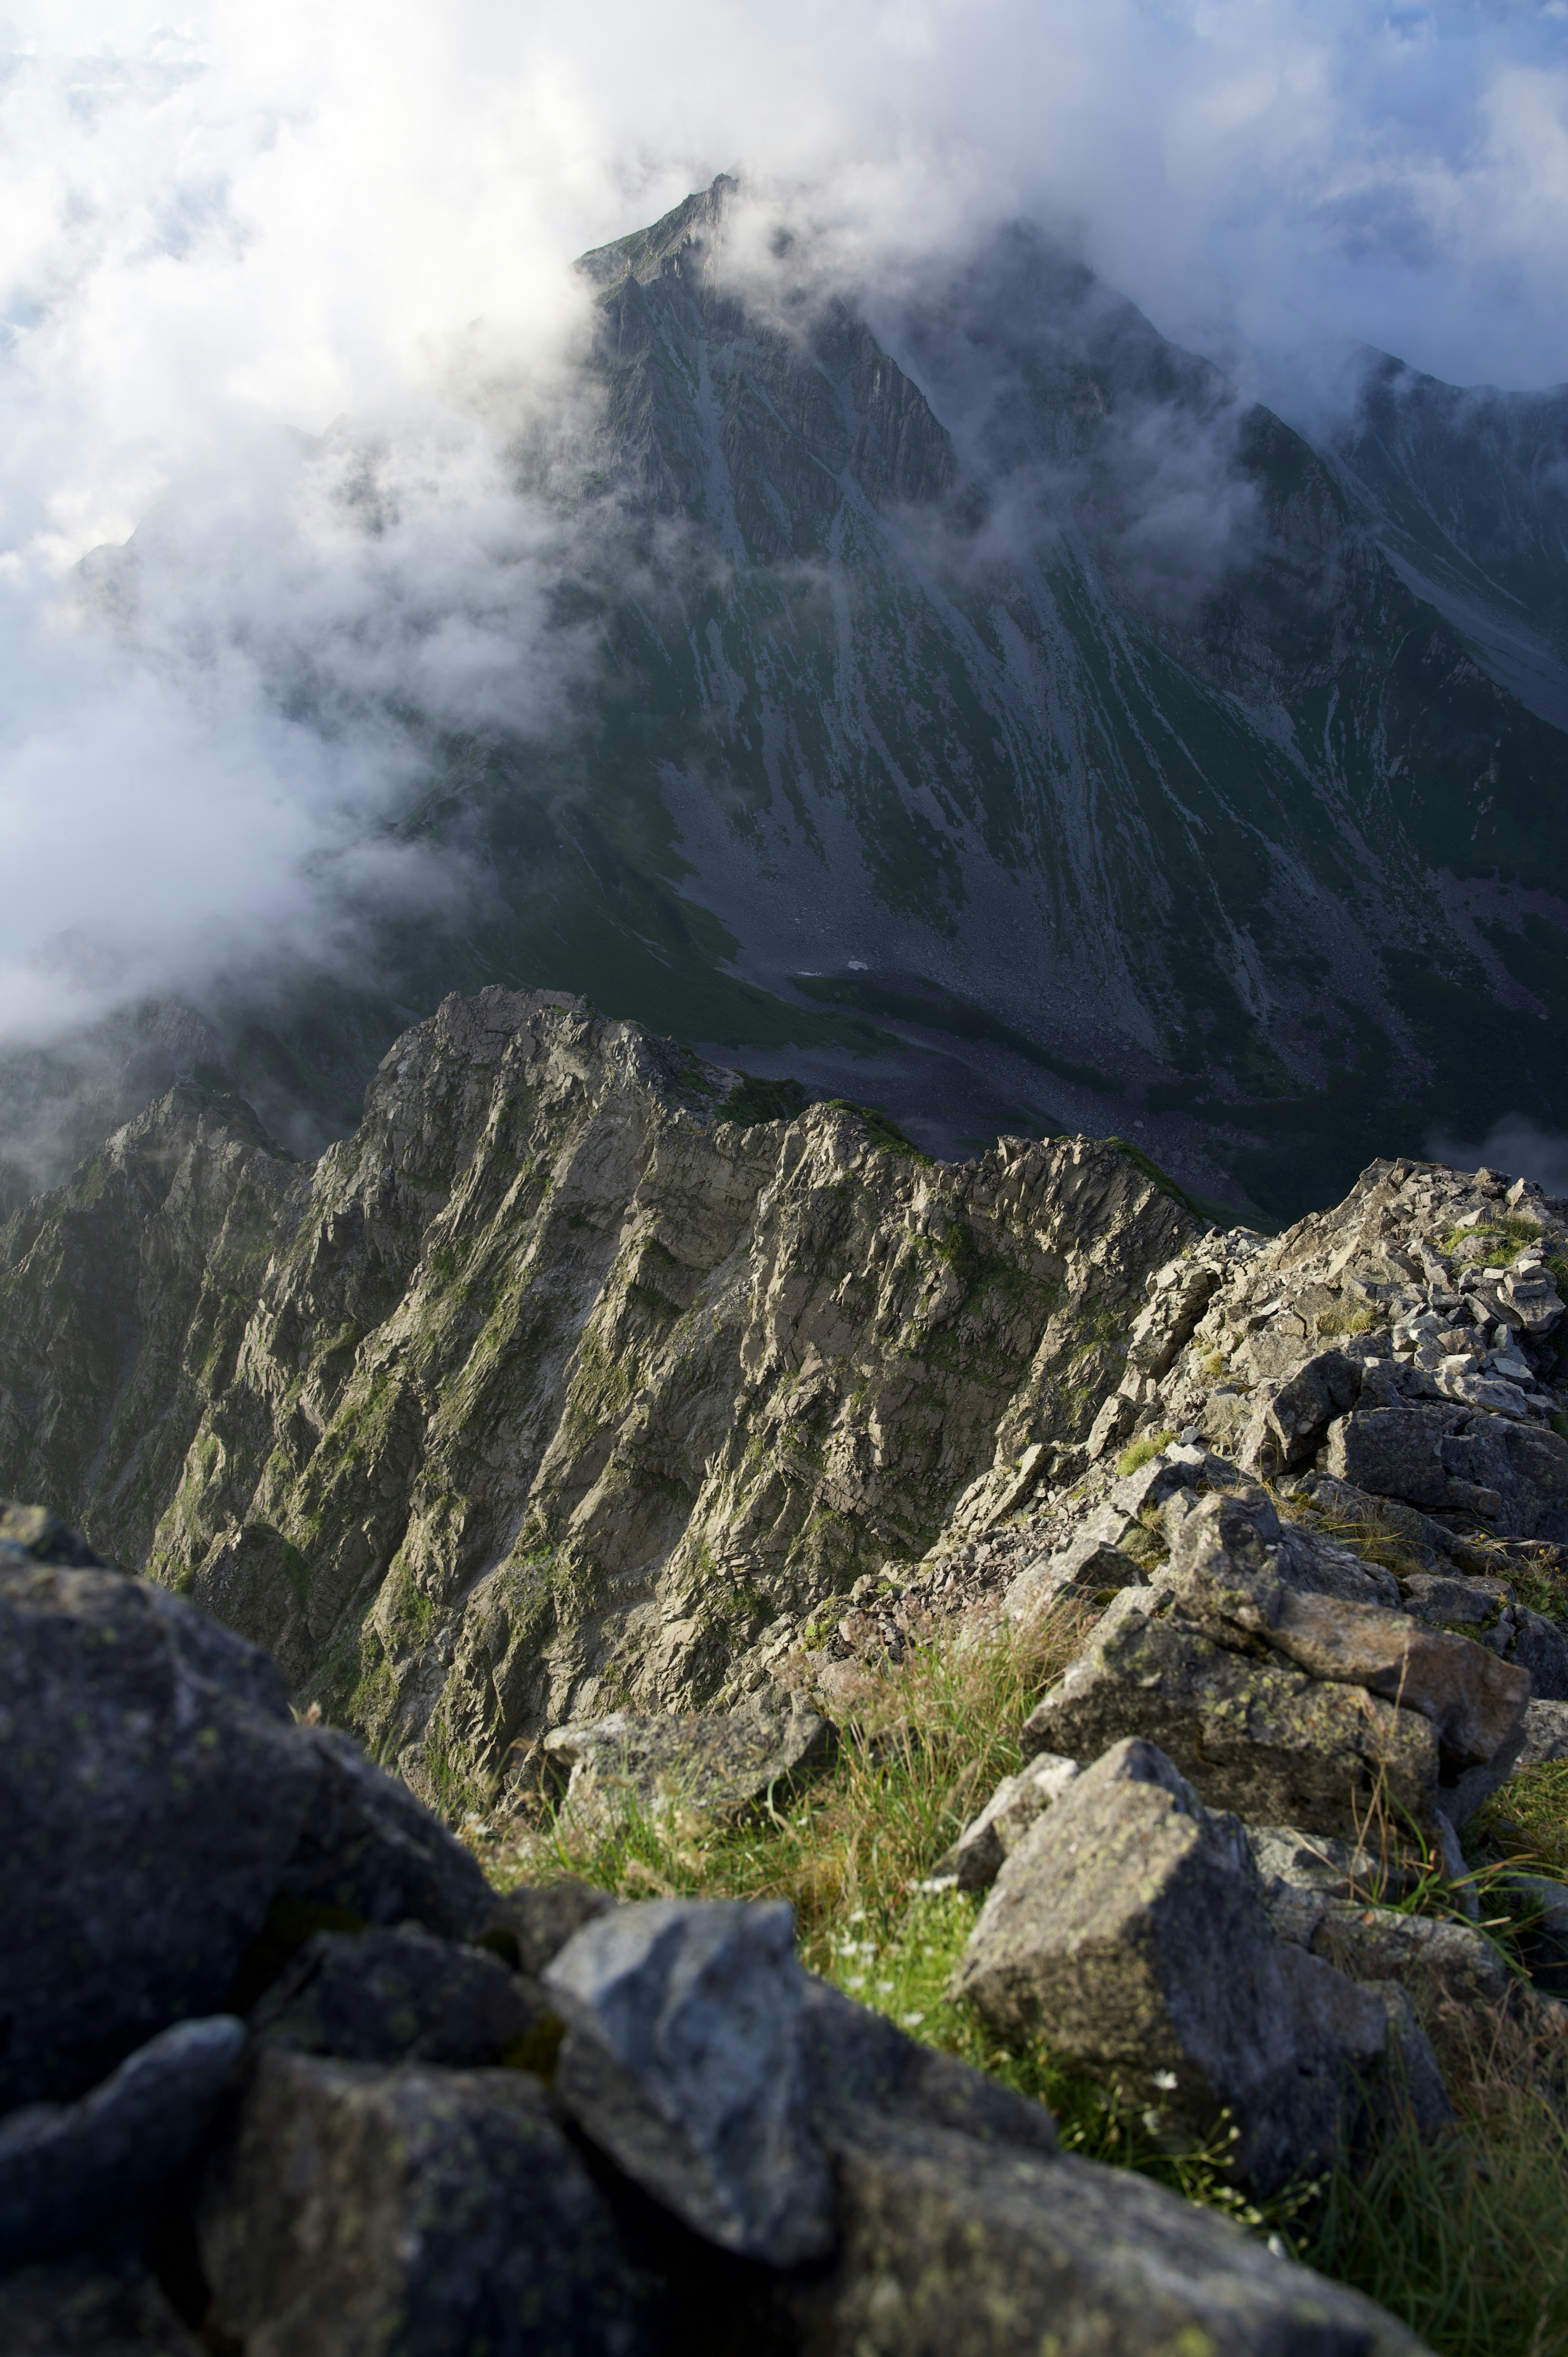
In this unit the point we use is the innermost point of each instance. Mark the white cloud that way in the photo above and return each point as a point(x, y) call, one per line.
point(216, 239)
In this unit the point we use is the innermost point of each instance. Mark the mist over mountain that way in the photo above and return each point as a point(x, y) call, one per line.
point(831, 624)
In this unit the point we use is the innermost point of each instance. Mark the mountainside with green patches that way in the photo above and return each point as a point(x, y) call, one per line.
point(975, 707)
point(552, 1388)
point(998, 677)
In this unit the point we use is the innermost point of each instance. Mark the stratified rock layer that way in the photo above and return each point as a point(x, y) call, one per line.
point(546, 1394)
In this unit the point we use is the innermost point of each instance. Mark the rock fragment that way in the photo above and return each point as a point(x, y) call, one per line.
point(1129, 1927)
point(399, 1997)
point(975, 1858)
point(69, 2171)
point(369, 1849)
point(151, 1787)
point(416, 2212)
point(682, 2063)
point(722, 1763)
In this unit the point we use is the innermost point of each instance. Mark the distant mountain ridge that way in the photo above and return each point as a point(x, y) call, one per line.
point(996, 717)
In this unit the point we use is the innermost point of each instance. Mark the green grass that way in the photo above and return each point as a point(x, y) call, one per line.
point(1459, 2237)
point(1142, 1452)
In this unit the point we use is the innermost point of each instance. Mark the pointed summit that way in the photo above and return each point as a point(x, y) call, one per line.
point(695, 223)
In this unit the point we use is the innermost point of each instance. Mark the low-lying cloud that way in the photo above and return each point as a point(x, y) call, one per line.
point(1515, 1147)
point(278, 289)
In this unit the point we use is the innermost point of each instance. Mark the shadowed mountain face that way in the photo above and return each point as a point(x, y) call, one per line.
point(994, 718)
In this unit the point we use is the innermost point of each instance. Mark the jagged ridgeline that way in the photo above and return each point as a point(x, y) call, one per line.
point(551, 1388)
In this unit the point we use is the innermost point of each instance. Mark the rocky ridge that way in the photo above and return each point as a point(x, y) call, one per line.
point(549, 1393)
point(322, 2093)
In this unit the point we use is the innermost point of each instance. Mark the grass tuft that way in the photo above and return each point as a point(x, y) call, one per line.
point(1142, 1452)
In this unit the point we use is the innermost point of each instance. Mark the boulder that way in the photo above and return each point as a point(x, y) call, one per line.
point(69, 2171)
point(1091, 1565)
point(1393, 1452)
point(531, 1924)
point(151, 1788)
point(856, 2063)
point(975, 1858)
point(954, 2246)
point(355, 2211)
point(682, 2063)
point(1317, 1863)
point(1254, 1735)
point(1236, 1588)
point(1128, 1927)
point(89, 2308)
point(724, 1764)
point(1525, 1467)
point(399, 1997)
point(1428, 1954)
point(1289, 1421)
point(1545, 1735)
point(369, 1849)
point(32, 1535)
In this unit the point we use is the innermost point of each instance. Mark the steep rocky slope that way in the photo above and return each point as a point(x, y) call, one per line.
point(978, 681)
point(549, 1389)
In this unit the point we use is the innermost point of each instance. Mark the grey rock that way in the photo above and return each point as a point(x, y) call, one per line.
point(1251, 1735)
point(528, 1925)
point(1289, 1422)
point(367, 1847)
point(421, 2212)
point(975, 1858)
point(1545, 1735)
point(1393, 1452)
point(399, 1997)
point(1444, 1601)
point(152, 1786)
point(70, 2170)
point(1534, 1299)
point(951, 2247)
point(1541, 1891)
point(855, 2061)
point(1317, 1863)
point(1128, 1927)
point(32, 1531)
point(722, 1763)
point(1092, 1565)
point(89, 2308)
point(682, 2063)
point(1235, 1578)
point(1428, 1954)
point(1411, 2084)
point(1524, 1466)
point(1541, 1647)
point(1497, 1396)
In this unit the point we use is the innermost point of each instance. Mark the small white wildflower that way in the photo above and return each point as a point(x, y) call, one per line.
point(885, 1988)
point(856, 1980)
point(1168, 2079)
point(911, 2020)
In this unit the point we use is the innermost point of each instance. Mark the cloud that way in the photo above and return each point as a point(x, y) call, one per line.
point(277, 287)
point(1514, 1146)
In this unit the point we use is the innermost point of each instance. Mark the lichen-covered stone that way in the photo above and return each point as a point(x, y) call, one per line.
point(89, 2307)
point(399, 1997)
point(151, 1788)
point(1128, 1928)
point(360, 2211)
point(952, 2247)
point(1259, 1736)
point(722, 1764)
point(71, 2173)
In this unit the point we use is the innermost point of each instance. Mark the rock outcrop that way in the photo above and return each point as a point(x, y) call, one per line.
point(550, 1393)
point(386, 2158)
